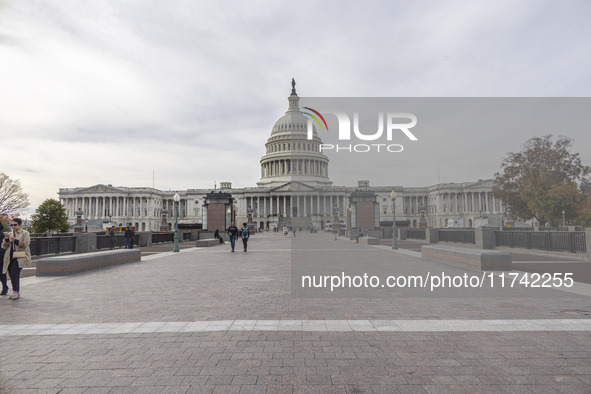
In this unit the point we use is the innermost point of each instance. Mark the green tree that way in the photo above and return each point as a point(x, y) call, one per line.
point(584, 207)
point(12, 197)
point(50, 216)
point(543, 180)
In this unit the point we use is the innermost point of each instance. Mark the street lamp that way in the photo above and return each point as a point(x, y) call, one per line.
point(336, 224)
point(394, 241)
point(176, 198)
point(350, 222)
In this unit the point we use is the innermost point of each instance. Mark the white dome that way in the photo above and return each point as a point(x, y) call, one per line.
point(290, 155)
point(292, 121)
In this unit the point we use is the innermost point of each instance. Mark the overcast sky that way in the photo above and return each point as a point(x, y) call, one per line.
point(110, 91)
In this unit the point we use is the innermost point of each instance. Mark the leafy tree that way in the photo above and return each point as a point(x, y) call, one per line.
point(12, 197)
point(584, 207)
point(50, 215)
point(543, 180)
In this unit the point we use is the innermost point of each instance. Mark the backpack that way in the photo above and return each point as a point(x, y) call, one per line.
point(245, 232)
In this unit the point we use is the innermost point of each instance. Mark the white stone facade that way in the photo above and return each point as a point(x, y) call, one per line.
point(294, 189)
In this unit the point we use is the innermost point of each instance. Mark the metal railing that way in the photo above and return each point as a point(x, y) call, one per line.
point(416, 233)
point(52, 245)
point(556, 241)
point(164, 237)
point(457, 236)
point(104, 241)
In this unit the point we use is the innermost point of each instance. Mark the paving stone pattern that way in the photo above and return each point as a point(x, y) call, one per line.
point(213, 284)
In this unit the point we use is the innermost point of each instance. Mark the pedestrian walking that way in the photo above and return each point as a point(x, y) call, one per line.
point(294, 232)
point(233, 233)
point(245, 233)
point(285, 231)
point(17, 254)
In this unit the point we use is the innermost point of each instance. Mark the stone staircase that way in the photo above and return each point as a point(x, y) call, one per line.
point(297, 222)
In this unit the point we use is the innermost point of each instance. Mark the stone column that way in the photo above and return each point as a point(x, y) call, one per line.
point(305, 213)
point(285, 206)
point(318, 205)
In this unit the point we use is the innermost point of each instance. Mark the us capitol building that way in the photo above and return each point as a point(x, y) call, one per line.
point(294, 189)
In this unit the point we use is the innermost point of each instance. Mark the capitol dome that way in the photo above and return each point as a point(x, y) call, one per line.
point(290, 155)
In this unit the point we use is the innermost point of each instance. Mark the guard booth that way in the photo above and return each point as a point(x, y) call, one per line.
point(365, 210)
point(218, 211)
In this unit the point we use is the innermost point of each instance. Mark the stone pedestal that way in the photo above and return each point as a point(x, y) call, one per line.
point(402, 234)
point(78, 227)
point(164, 225)
point(432, 235)
point(144, 238)
point(85, 242)
point(484, 238)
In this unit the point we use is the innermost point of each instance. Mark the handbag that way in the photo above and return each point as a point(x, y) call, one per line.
point(18, 254)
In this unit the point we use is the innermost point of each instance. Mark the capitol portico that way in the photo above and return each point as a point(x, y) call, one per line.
point(294, 189)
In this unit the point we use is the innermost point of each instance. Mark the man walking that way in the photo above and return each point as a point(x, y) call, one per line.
point(233, 233)
point(244, 233)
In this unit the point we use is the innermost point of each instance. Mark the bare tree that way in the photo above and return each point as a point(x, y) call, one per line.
point(12, 197)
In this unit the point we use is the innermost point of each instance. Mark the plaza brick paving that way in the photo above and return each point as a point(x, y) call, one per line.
point(208, 320)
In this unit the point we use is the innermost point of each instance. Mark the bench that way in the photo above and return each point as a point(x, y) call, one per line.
point(479, 258)
point(203, 243)
point(75, 263)
point(369, 240)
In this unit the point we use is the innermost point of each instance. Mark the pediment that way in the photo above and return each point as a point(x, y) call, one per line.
point(101, 189)
point(294, 187)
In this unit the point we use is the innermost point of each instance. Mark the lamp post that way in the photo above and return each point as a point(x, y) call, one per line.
point(350, 210)
point(176, 198)
point(394, 241)
point(336, 224)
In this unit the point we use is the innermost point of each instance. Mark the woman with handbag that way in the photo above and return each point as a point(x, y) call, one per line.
point(17, 254)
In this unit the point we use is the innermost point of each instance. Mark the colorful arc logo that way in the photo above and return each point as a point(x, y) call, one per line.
point(315, 118)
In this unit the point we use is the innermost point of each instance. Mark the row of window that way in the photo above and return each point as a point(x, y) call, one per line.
point(282, 147)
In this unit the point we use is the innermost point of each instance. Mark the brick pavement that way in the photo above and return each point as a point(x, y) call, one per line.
point(213, 285)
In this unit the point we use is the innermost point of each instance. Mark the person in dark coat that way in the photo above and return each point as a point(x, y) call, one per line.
point(217, 235)
point(3, 277)
point(129, 238)
point(233, 233)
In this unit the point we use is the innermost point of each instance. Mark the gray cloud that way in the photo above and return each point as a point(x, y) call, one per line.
point(207, 80)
